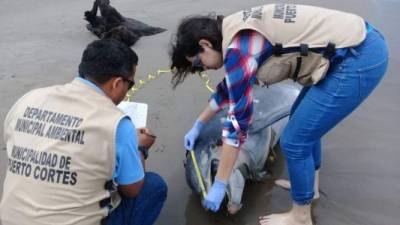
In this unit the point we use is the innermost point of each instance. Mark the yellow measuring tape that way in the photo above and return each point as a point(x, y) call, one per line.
point(150, 77)
point(206, 80)
point(198, 175)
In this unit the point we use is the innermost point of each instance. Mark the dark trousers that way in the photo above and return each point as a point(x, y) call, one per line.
point(145, 208)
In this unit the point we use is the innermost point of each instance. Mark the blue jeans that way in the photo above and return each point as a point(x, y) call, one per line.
point(321, 107)
point(145, 208)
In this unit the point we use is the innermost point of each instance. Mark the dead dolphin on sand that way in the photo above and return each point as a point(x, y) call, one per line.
point(111, 24)
point(271, 111)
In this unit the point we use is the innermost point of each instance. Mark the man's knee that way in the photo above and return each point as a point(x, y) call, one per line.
point(154, 183)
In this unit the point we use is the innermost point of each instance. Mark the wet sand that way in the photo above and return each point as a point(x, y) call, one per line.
point(41, 43)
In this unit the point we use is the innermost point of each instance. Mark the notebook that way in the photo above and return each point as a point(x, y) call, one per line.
point(136, 111)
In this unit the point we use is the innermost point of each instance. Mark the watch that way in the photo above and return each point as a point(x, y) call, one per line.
point(145, 151)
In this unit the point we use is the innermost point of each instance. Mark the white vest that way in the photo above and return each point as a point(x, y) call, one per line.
point(61, 151)
point(289, 26)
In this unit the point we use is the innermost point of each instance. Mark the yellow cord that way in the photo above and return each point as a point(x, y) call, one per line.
point(207, 81)
point(150, 77)
point(142, 82)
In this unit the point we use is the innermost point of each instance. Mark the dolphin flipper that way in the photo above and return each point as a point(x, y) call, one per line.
point(235, 186)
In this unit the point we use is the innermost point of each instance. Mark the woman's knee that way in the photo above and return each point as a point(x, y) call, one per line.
point(293, 148)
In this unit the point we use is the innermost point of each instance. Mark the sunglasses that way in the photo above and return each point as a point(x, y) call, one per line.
point(197, 64)
point(131, 83)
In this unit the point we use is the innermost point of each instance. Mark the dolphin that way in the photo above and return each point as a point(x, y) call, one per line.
point(111, 24)
point(272, 107)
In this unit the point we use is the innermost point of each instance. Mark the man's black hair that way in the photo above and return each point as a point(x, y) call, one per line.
point(103, 59)
point(190, 31)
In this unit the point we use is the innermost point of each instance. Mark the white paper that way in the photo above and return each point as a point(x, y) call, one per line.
point(136, 111)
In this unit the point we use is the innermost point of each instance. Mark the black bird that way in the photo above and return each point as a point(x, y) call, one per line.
point(111, 24)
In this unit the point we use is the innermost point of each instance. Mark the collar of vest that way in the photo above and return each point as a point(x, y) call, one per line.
point(81, 85)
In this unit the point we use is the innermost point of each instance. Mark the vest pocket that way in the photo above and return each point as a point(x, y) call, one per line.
point(311, 70)
point(273, 72)
point(317, 74)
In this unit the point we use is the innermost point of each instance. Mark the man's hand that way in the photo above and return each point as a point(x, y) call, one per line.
point(146, 138)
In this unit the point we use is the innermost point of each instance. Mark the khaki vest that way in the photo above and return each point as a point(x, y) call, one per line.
point(292, 26)
point(61, 151)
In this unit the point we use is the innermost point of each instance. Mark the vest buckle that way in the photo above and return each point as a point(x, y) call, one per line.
point(304, 49)
point(330, 50)
point(277, 49)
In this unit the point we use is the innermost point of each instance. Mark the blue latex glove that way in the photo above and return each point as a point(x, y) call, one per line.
point(191, 136)
point(215, 195)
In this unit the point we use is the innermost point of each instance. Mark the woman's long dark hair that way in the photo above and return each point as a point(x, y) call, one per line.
point(190, 31)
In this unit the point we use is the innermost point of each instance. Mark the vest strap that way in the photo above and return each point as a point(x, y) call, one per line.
point(303, 49)
point(108, 185)
point(105, 202)
point(297, 70)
